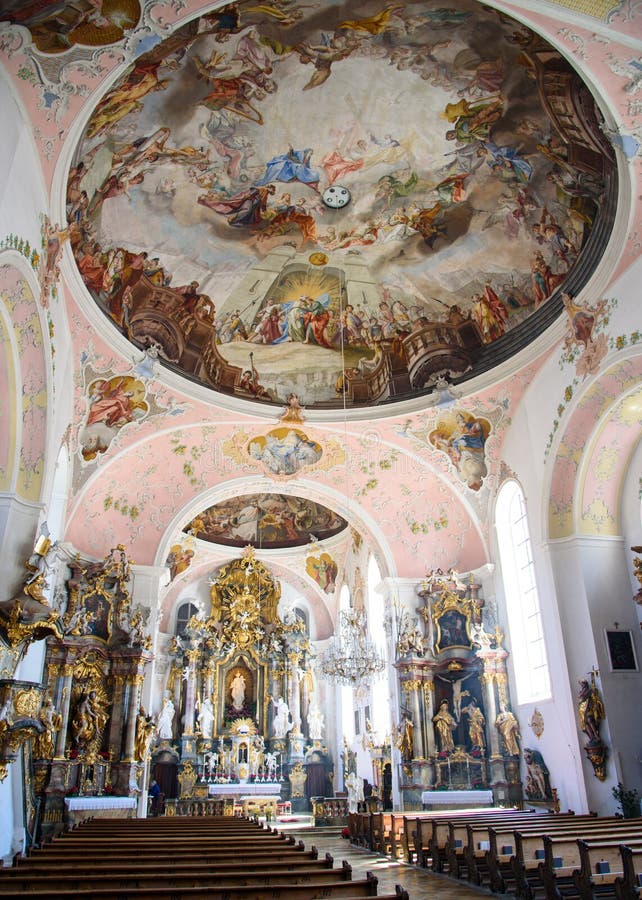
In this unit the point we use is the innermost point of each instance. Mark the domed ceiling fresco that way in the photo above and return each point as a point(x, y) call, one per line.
point(344, 201)
point(268, 521)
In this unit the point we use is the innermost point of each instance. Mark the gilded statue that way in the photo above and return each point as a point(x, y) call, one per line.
point(508, 727)
point(445, 725)
point(52, 720)
point(591, 710)
point(407, 739)
point(476, 722)
point(89, 721)
point(145, 728)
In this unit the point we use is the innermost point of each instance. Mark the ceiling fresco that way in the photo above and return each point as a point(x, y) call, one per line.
point(477, 177)
point(268, 521)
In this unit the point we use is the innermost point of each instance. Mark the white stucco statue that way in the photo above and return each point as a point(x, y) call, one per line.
point(238, 691)
point(315, 723)
point(270, 763)
point(282, 721)
point(166, 719)
point(206, 717)
point(354, 785)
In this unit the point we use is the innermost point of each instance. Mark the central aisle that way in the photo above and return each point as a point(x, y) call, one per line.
point(421, 884)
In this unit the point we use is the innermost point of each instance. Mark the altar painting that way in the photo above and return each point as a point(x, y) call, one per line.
point(266, 520)
point(453, 631)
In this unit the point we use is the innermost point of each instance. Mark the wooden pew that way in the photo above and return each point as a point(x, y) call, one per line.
point(562, 857)
point(432, 835)
point(144, 860)
point(516, 851)
point(397, 834)
point(25, 879)
point(344, 890)
point(600, 863)
point(627, 885)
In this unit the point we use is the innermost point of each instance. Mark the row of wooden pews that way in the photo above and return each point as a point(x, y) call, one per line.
point(218, 858)
point(556, 856)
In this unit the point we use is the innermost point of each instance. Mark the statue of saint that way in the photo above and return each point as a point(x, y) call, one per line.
point(145, 728)
point(508, 727)
point(282, 721)
point(476, 722)
point(89, 720)
point(52, 720)
point(407, 739)
point(354, 785)
point(591, 711)
point(206, 717)
point(166, 720)
point(315, 723)
point(237, 689)
point(445, 725)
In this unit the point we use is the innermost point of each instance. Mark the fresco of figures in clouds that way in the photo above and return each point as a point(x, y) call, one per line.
point(195, 201)
point(267, 521)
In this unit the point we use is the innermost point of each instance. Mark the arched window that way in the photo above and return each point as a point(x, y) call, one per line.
point(183, 615)
point(522, 599)
point(302, 616)
point(376, 615)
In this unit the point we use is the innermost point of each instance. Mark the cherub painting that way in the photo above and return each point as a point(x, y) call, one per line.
point(324, 570)
point(284, 451)
point(462, 437)
point(113, 403)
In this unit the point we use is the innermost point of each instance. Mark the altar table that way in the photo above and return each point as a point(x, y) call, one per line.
point(106, 807)
point(457, 799)
point(254, 788)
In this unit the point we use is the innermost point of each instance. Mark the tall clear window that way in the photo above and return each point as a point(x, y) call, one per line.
point(376, 615)
point(522, 600)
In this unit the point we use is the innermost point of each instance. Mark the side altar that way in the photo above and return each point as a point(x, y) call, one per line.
point(239, 704)
point(458, 735)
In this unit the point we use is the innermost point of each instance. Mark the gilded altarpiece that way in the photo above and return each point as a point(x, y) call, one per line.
point(457, 729)
point(93, 679)
point(241, 687)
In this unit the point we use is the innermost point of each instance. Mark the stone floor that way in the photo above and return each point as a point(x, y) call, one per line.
point(420, 883)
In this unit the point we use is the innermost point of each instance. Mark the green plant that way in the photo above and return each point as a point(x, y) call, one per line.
point(629, 801)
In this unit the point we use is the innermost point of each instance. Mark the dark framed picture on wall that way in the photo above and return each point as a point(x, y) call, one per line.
point(621, 650)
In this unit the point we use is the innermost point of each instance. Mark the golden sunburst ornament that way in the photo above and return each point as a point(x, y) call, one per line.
point(318, 258)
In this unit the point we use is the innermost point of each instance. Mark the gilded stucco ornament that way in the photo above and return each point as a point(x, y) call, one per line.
point(19, 719)
point(28, 617)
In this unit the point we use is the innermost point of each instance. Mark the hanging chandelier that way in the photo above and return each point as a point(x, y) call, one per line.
point(351, 657)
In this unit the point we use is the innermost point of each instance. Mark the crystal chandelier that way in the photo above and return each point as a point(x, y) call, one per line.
point(351, 657)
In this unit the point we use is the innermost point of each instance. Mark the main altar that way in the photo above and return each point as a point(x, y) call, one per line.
point(239, 707)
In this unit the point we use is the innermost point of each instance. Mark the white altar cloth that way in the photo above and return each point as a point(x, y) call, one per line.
point(73, 803)
point(457, 798)
point(254, 789)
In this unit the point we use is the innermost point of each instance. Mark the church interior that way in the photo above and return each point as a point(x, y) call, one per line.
point(402, 567)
